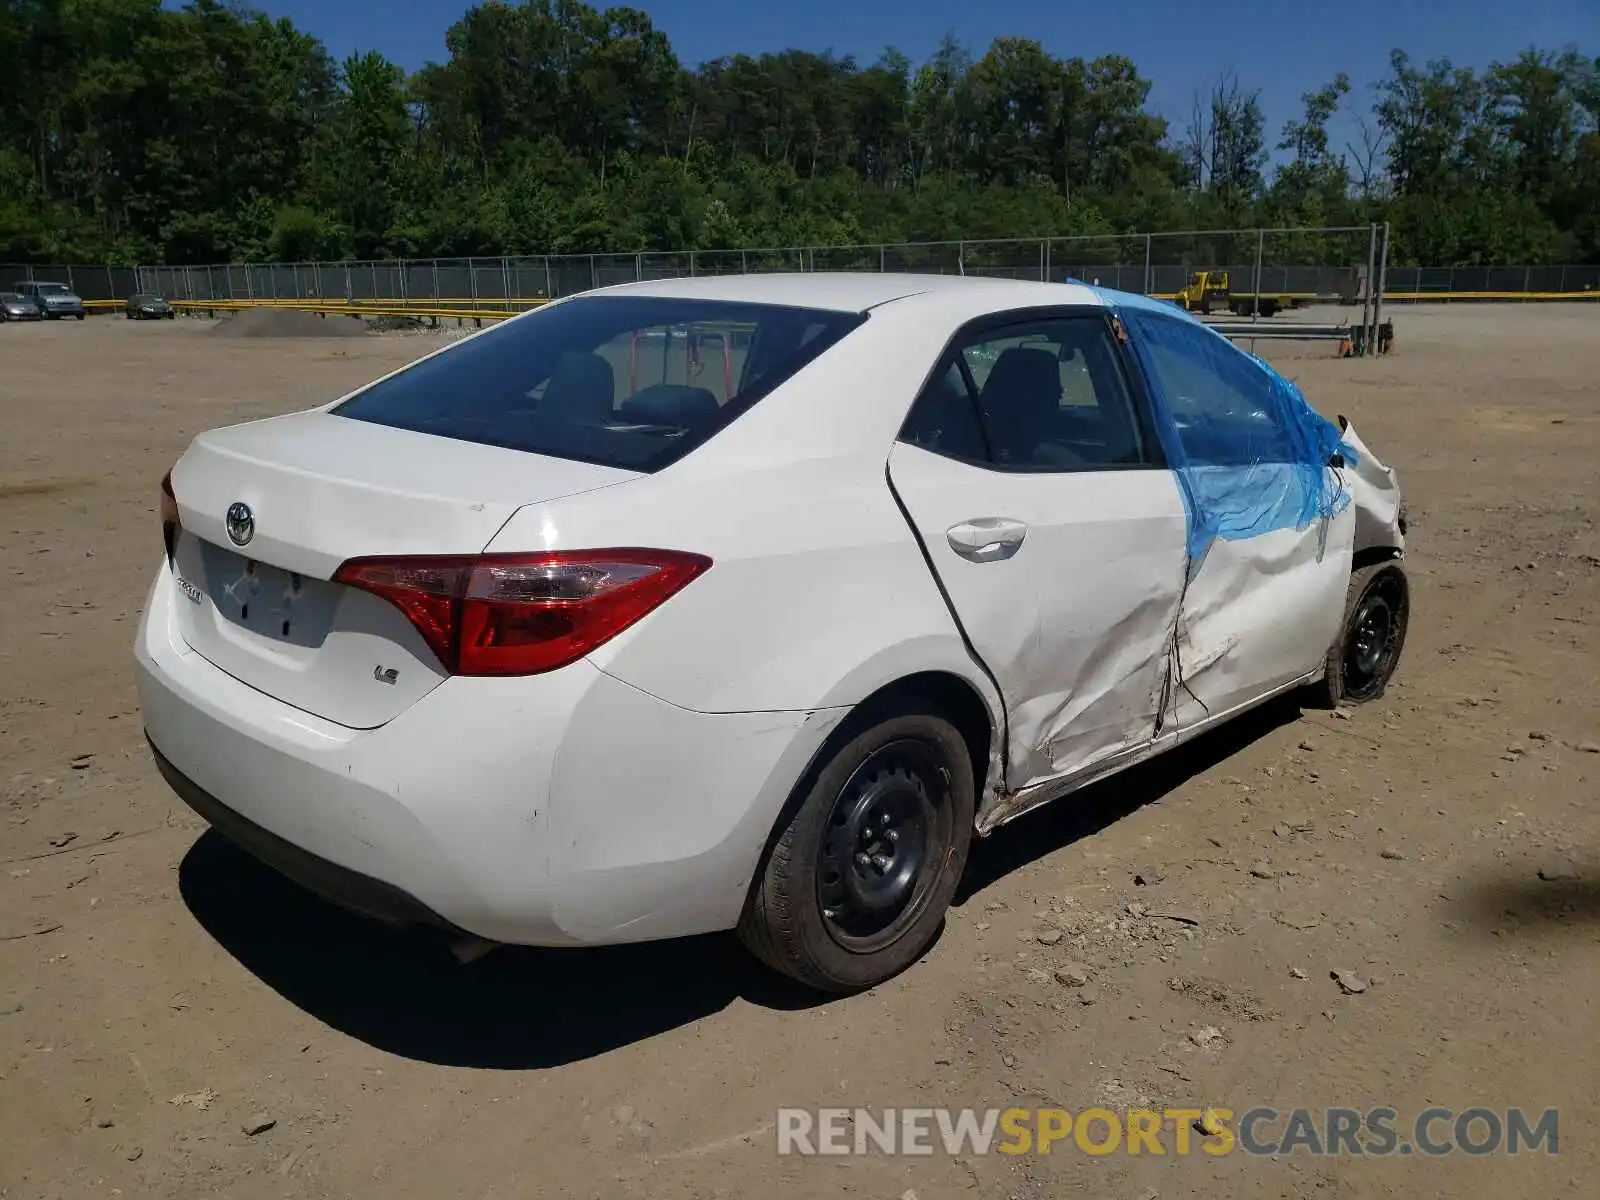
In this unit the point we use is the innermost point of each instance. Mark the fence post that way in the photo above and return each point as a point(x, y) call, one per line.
point(1366, 292)
point(594, 279)
point(1148, 283)
point(691, 264)
point(549, 282)
point(1255, 304)
point(1383, 284)
point(744, 262)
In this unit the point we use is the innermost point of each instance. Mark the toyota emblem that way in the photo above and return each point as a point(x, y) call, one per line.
point(241, 523)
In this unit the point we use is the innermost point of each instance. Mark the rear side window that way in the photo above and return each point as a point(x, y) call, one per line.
point(634, 382)
point(1043, 395)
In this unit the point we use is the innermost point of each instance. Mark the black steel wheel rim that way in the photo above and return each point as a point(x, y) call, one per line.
point(1374, 639)
point(884, 845)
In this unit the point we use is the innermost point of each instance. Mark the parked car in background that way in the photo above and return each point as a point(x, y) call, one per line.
point(147, 306)
point(551, 638)
point(16, 307)
point(55, 300)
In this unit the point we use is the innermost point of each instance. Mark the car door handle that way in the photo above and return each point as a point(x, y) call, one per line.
point(986, 539)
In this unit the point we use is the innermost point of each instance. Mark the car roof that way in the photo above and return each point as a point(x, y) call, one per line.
point(858, 291)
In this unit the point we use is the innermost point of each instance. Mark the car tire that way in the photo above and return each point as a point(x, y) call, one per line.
point(80, 316)
point(1363, 658)
point(856, 884)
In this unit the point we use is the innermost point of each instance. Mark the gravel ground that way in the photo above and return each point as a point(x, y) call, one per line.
point(161, 996)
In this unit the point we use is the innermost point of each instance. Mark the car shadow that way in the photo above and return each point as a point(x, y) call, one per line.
point(522, 1009)
point(404, 992)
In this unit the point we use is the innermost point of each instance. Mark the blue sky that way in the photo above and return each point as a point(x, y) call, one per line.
point(1279, 46)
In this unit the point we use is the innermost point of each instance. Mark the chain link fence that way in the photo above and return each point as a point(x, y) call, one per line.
point(1326, 264)
point(89, 282)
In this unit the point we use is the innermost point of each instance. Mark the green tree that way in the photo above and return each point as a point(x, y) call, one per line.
point(135, 131)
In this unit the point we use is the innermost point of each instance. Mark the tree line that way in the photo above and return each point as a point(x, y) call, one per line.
point(134, 133)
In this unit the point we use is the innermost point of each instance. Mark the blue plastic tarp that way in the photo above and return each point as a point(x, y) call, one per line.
point(1250, 453)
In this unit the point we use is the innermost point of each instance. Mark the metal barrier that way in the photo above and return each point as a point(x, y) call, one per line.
point(1329, 263)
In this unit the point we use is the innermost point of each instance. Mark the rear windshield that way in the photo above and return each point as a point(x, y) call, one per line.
point(634, 382)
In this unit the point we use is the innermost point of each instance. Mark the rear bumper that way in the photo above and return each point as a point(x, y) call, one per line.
point(563, 809)
point(348, 889)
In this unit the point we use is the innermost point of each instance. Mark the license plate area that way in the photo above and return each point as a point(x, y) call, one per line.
point(257, 598)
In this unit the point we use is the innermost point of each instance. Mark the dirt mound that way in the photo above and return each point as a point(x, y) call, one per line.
point(287, 323)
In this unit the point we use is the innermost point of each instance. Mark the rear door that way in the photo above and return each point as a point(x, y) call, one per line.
point(1031, 473)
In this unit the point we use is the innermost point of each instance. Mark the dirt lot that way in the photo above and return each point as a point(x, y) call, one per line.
point(158, 990)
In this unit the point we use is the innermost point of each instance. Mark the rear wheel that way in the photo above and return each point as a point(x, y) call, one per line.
point(857, 883)
point(1363, 658)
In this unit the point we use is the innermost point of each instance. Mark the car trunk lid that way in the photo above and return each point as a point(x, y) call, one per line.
point(317, 490)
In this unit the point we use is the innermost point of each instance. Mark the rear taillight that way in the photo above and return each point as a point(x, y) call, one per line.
point(520, 614)
point(169, 515)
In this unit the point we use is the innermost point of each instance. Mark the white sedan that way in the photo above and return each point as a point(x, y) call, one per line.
point(745, 602)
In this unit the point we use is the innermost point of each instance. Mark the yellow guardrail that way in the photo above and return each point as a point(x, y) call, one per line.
point(446, 308)
point(359, 309)
point(1408, 297)
point(319, 303)
point(1413, 296)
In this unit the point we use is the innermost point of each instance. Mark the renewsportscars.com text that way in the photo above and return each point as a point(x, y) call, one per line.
point(1373, 1132)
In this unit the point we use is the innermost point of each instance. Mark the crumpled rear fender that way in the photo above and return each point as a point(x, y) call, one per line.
point(1375, 493)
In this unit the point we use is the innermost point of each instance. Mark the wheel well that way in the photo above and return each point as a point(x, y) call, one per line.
point(941, 692)
point(1371, 556)
point(927, 691)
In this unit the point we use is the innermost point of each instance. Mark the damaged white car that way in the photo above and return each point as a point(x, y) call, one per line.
point(746, 602)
